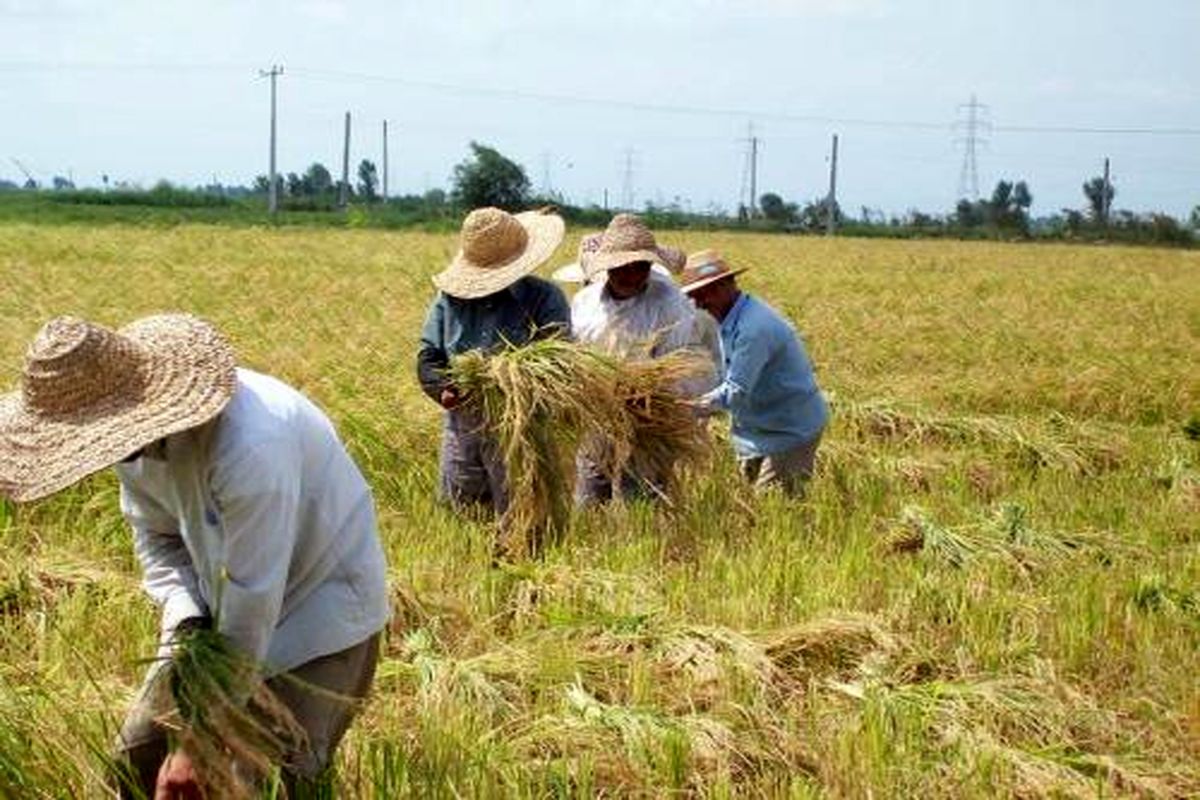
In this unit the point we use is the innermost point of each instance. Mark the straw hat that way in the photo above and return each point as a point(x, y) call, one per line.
point(625, 240)
point(577, 271)
point(703, 268)
point(673, 259)
point(90, 397)
point(498, 249)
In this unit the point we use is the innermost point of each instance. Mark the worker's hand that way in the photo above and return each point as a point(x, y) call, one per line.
point(177, 779)
point(450, 398)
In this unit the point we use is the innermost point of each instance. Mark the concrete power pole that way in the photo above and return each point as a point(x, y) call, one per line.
point(344, 193)
point(627, 194)
point(1106, 198)
point(385, 162)
point(753, 173)
point(273, 186)
point(831, 201)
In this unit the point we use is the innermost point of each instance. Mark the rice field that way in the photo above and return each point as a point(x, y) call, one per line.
point(992, 590)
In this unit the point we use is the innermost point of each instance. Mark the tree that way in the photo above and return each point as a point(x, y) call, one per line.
point(1194, 220)
point(317, 179)
point(62, 184)
point(489, 179)
point(1099, 200)
point(368, 179)
point(295, 185)
point(774, 208)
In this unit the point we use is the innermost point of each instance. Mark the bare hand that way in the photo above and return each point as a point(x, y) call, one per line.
point(450, 398)
point(177, 779)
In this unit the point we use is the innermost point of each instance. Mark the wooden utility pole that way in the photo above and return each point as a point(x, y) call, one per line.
point(831, 201)
point(273, 186)
point(385, 162)
point(344, 195)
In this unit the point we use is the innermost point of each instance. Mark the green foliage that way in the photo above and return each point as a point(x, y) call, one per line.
point(487, 178)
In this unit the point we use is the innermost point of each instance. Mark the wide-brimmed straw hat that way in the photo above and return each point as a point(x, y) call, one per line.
point(577, 270)
point(626, 240)
point(90, 397)
point(497, 249)
point(705, 267)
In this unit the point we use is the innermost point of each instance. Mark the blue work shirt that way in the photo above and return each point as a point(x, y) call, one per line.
point(769, 390)
point(529, 309)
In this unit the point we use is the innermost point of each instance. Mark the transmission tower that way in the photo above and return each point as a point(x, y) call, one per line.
point(627, 197)
point(973, 125)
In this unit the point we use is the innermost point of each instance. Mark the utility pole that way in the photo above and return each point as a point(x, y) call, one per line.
point(385, 162)
point(750, 174)
point(273, 187)
point(753, 172)
point(1106, 198)
point(627, 196)
point(344, 194)
point(831, 201)
point(968, 179)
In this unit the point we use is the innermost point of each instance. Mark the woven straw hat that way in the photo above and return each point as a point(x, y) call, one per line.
point(705, 267)
point(498, 249)
point(625, 240)
point(577, 270)
point(90, 397)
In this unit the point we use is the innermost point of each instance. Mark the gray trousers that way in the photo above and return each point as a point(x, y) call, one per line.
point(323, 695)
point(790, 470)
point(471, 466)
point(594, 487)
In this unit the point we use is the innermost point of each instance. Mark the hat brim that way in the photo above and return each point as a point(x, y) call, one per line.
point(688, 288)
point(468, 281)
point(575, 273)
point(189, 376)
point(603, 262)
point(570, 273)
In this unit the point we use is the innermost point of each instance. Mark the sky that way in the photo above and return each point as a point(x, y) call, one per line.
point(650, 98)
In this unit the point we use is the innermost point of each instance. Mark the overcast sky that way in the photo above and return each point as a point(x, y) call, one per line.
point(143, 90)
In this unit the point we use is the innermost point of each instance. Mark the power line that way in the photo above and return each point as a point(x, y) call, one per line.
point(816, 119)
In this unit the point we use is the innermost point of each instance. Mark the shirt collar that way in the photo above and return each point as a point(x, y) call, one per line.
point(731, 319)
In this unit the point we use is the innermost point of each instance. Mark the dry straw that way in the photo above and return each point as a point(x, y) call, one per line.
point(234, 728)
point(546, 399)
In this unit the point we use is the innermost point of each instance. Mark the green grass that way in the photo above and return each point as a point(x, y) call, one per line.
point(990, 591)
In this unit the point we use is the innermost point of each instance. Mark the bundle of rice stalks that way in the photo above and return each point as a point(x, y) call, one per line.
point(545, 399)
point(1056, 442)
point(228, 721)
point(917, 531)
point(831, 646)
point(1007, 535)
point(1045, 737)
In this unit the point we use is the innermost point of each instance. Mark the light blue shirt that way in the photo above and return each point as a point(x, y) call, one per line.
point(769, 390)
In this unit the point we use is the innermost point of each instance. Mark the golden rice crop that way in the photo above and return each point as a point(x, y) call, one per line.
point(545, 400)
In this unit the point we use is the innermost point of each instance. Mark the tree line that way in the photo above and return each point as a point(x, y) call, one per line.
point(487, 177)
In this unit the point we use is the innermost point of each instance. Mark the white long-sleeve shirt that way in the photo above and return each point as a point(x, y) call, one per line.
point(660, 316)
point(656, 321)
point(260, 519)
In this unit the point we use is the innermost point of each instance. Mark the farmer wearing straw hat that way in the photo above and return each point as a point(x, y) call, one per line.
point(488, 299)
point(577, 271)
point(248, 516)
point(769, 390)
point(631, 308)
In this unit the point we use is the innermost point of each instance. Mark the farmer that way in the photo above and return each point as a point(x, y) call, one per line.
point(247, 513)
point(630, 308)
point(488, 299)
point(776, 408)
